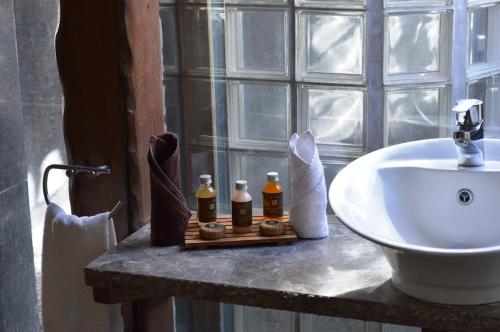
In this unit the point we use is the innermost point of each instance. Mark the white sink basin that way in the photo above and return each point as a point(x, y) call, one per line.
point(404, 198)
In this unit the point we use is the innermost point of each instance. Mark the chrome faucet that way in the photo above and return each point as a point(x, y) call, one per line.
point(470, 132)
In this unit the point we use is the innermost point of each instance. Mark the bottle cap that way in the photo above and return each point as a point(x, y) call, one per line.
point(205, 179)
point(272, 176)
point(241, 185)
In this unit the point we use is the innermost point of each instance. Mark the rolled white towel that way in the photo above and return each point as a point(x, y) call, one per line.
point(308, 207)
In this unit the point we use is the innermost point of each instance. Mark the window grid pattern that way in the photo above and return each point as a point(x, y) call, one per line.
point(483, 60)
point(417, 69)
point(248, 73)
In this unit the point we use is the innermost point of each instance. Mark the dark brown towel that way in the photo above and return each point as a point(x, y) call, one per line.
point(169, 212)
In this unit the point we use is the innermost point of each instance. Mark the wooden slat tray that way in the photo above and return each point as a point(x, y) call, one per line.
point(193, 240)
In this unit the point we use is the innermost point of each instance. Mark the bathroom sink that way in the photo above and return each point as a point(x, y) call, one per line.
point(438, 223)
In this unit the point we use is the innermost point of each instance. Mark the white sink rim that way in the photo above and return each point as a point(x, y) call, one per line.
point(336, 194)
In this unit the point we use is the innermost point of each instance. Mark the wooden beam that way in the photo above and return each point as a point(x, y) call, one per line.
point(114, 296)
point(145, 99)
point(110, 66)
point(109, 59)
point(154, 314)
point(89, 45)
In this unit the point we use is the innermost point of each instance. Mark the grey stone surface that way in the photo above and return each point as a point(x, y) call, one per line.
point(12, 162)
point(18, 311)
point(43, 133)
point(36, 23)
point(12, 165)
point(18, 305)
point(343, 276)
point(41, 97)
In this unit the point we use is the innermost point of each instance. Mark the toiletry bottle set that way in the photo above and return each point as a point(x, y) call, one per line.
point(241, 208)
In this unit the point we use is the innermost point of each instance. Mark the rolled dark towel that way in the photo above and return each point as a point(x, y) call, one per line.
point(169, 211)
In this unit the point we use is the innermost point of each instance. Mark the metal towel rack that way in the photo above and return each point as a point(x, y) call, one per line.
point(75, 170)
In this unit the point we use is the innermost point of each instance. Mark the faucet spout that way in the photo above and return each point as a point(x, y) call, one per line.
point(469, 137)
point(470, 152)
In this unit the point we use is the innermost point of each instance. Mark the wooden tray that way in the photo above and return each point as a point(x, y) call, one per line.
point(193, 240)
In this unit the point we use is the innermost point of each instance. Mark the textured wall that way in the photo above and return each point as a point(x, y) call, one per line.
point(41, 104)
point(17, 277)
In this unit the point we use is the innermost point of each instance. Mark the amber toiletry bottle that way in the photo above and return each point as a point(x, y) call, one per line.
point(272, 197)
point(241, 208)
point(206, 198)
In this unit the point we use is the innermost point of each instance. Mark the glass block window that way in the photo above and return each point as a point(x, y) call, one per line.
point(483, 60)
point(241, 76)
point(417, 70)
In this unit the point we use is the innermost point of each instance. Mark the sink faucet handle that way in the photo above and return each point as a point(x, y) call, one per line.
point(469, 114)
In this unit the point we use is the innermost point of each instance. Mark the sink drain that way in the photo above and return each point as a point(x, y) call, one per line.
point(464, 196)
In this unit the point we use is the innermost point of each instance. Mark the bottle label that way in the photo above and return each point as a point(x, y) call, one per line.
point(273, 204)
point(241, 213)
point(207, 209)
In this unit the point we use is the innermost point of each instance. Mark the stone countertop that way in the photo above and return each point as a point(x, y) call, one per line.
point(343, 276)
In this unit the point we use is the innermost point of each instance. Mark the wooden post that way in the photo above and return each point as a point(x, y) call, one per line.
point(144, 71)
point(89, 46)
point(110, 67)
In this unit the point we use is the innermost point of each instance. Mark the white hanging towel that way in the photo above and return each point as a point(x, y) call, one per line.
point(308, 207)
point(69, 244)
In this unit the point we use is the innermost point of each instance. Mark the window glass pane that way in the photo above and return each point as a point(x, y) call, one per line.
point(204, 106)
point(260, 116)
point(211, 2)
point(257, 2)
point(327, 324)
point(199, 160)
point(258, 42)
point(331, 3)
point(413, 43)
point(400, 328)
point(253, 167)
point(173, 116)
point(203, 40)
point(253, 319)
point(331, 170)
point(169, 39)
point(416, 3)
point(417, 47)
point(330, 46)
point(415, 113)
point(334, 115)
point(478, 35)
point(488, 90)
point(484, 44)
